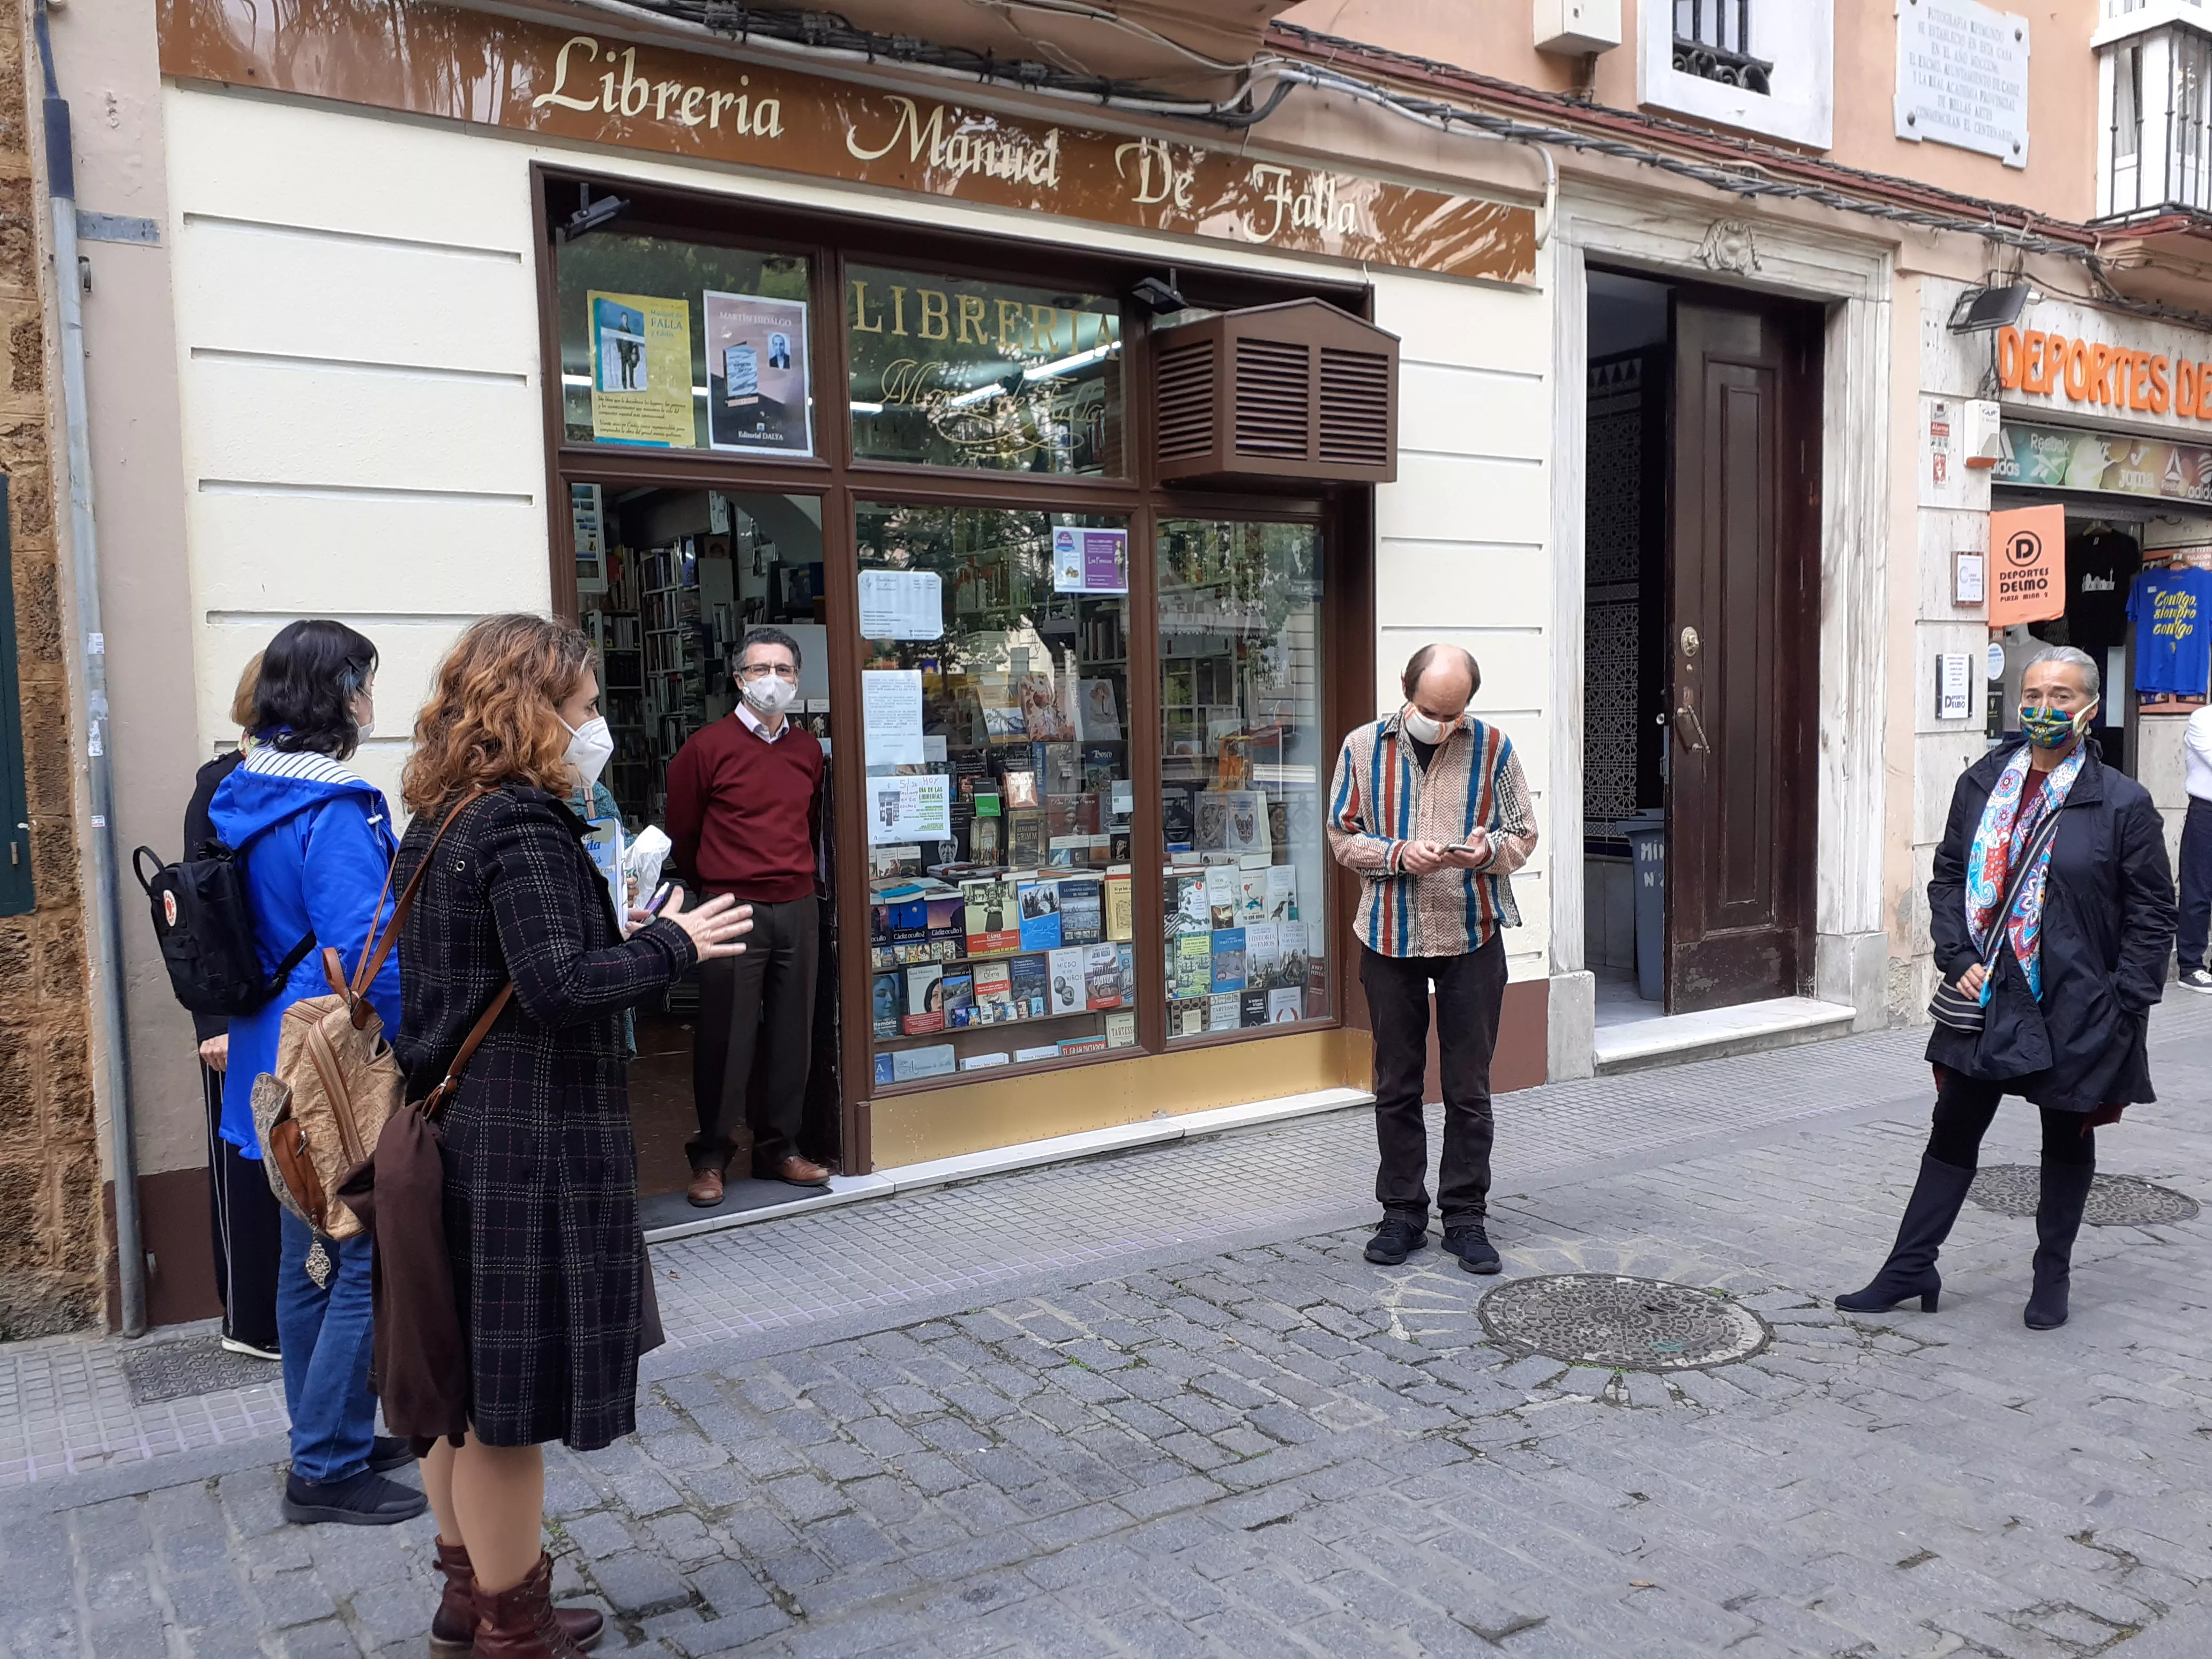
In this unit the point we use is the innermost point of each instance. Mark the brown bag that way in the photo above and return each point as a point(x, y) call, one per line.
point(341, 1082)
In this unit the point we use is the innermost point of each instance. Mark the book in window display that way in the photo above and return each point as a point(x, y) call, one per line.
point(1031, 985)
point(994, 924)
point(1252, 889)
point(1102, 976)
point(1223, 1011)
point(1025, 838)
point(1228, 959)
point(1187, 1018)
point(957, 996)
point(1282, 892)
point(1231, 821)
point(1121, 1030)
point(889, 998)
point(994, 993)
point(1221, 895)
point(1082, 918)
point(913, 1065)
point(1252, 1006)
point(1194, 965)
point(1038, 903)
point(925, 1000)
point(1283, 1006)
point(1064, 970)
point(1263, 952)
point(1120, 890)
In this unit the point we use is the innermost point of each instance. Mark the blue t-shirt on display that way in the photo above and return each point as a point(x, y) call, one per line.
point(2172, 610)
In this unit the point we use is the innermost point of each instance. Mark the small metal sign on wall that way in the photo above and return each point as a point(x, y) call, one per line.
point(16, 895)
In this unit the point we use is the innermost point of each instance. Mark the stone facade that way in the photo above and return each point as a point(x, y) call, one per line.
point(52, 1234)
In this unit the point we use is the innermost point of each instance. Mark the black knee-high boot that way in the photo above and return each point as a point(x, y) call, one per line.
point(1911, 1269)
point(2058, 1219)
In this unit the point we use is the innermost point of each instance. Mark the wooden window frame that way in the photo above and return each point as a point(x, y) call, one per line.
point(831, 241)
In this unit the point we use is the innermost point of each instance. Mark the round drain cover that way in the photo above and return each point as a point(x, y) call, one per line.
point(2115, 1200)
point(1624, 1324)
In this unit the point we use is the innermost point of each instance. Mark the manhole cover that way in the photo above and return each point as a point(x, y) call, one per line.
point(199, 1365)
point(2115, 1200)
point(1627, 1324)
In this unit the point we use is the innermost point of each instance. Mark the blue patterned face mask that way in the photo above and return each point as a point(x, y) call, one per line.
point(2054, 728)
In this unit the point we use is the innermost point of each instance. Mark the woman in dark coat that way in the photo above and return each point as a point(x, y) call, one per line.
point(540, 1173)
point(2080, 955)
point(242, 1213)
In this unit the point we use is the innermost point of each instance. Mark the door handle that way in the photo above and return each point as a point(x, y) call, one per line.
point(1686, 721)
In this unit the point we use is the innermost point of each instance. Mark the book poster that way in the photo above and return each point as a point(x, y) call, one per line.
point(759, 389)
point(641, 371)
point(916, 807)
point(1090, 560)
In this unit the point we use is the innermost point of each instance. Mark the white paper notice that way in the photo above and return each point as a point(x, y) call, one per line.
point(902, 604)
point(912, 808)
point(890, 709)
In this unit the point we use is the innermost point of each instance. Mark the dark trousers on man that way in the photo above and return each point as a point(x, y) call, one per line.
point(765, 996)
point(243, 1220)
point(2196, 885)
point(1470, 989)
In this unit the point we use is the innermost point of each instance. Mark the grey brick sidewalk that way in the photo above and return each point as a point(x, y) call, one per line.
point(1202, 1444)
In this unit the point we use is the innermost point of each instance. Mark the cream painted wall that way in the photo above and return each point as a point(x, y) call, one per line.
point(1462, 551)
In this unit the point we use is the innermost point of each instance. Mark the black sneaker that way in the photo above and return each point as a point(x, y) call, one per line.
point(1473, 1247)
point(388, 1452)
point(1395, 1240)
point(2196, 980)
point(366, 1499)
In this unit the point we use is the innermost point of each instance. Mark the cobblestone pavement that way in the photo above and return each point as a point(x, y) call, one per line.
point(1258, 1444)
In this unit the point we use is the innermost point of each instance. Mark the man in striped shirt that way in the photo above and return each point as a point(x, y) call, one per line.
point(1430, 809)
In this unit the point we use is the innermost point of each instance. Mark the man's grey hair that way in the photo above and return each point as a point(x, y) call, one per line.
point(2073, 656)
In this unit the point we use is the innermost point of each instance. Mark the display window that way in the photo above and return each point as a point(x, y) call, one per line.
point(1069, 709)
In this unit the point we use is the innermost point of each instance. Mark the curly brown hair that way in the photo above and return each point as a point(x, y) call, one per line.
point(490, 717)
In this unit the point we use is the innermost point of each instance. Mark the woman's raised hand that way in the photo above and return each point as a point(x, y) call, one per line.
point(716, 926)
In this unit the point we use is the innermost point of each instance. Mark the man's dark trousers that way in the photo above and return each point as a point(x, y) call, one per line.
point(2196, 885)
point(1470, 989)
point(765, 996)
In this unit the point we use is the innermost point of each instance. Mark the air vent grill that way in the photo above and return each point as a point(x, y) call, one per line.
point(1274, 399)
point(1186, 400)
point(1355, 407)
point(1302, 391)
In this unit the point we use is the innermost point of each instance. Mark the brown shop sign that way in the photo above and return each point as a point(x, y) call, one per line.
point(462, 65)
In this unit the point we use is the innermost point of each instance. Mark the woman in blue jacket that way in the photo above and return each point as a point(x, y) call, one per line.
point(316, 843)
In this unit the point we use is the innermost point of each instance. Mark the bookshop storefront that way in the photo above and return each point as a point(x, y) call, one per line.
point(1074, 521)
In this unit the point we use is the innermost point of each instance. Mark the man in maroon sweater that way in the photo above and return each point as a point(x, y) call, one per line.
point(744, 812)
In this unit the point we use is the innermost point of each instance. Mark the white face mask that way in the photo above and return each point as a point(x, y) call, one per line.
point(1422, 729)
point(591, 746)
point(770, 695)
point(365, 730)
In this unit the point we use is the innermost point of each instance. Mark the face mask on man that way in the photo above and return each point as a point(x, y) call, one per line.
point(1422, 729)
point(591, 746)
point(2054, 728)
point(770, 694)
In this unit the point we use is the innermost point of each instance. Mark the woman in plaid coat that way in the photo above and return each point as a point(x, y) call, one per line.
point(540, 1173)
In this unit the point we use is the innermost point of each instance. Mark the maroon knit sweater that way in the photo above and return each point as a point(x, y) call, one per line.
point(745, 814)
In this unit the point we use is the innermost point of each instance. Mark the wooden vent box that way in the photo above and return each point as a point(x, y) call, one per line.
point(1300, 390)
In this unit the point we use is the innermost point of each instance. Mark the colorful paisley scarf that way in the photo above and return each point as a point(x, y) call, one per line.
point(2004, 826)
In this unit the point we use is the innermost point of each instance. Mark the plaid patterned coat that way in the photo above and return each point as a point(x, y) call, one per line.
point(541, 1174)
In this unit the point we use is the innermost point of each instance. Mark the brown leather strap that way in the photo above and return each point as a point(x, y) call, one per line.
point(434, 1102)
point(373, 955)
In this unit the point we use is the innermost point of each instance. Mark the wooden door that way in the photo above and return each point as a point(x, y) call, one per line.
point(1743, 639)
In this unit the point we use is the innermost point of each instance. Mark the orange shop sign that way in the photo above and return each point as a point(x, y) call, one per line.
point(2085, 371)
point(2027, 565)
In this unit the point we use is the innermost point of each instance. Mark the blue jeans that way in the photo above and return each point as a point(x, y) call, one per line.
point(325, 1335)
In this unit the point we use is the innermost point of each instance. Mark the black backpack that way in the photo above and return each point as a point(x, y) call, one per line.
point(204, 923)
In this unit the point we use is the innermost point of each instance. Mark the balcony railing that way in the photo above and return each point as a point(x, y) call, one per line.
point(1712, 40)
point(2156, 148)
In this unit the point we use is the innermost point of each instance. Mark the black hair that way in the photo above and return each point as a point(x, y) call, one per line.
point(304, 699)
point(763, 636)
point(1420, 665)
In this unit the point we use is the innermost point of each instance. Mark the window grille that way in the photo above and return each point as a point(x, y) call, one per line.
point(1712, 40)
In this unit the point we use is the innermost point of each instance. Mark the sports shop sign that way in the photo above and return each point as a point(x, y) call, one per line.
point(450, 63)
point(2072, 355)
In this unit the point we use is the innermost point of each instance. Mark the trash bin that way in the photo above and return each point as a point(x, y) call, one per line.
point(1647, 845)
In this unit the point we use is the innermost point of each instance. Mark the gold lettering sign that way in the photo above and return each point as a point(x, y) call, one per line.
point(594, 87)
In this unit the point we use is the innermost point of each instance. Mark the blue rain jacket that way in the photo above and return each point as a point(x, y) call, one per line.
point(325, 847)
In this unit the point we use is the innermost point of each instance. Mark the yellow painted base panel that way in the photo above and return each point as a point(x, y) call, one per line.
point(975, 1117)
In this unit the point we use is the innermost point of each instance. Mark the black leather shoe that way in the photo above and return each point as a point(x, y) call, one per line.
point(1472, 1245)
point(388, 1452)
point(1395, 1240)
point(366, 1499)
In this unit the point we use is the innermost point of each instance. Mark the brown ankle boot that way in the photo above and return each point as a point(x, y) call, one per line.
point(453, 1626)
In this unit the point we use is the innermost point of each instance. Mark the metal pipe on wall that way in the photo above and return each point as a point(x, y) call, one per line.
point(84, 547)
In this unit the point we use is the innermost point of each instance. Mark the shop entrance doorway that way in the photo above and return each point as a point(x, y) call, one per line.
point(668, 581)
point(1701, 660)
